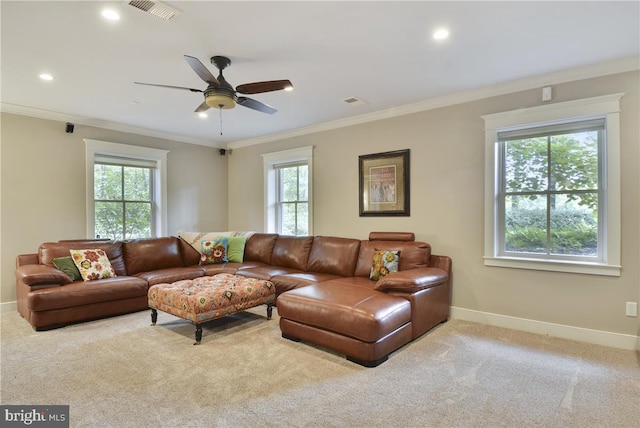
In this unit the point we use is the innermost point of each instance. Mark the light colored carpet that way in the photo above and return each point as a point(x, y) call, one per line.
point(121, 372)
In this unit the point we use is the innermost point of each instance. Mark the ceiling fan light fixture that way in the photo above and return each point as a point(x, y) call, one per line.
point(219, 101)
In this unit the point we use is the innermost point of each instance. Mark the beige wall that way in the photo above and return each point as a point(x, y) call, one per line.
point(43, 186)
point(447, 203)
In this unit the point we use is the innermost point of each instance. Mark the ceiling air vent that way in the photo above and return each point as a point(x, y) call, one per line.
point(156, 8)
point(354, 101)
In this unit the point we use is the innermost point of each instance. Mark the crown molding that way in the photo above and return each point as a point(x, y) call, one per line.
point(554, 78)
point(99, 123)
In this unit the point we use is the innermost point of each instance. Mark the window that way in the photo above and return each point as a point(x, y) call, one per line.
point(126, 188)
point(292, 202)
point(123, 198)
point(552, 187)
point(288, 195)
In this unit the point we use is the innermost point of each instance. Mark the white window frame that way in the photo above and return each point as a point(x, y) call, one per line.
point(607, 106)
point(270, 161)
point(106, 148)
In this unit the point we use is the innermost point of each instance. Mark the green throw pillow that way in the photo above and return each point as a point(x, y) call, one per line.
point(235, 252)
point(66, 265)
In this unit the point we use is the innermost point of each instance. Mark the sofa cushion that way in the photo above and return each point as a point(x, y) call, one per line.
point(86, 293)
point(296, 280)
point(259, 247)
point(392, 236)
point(292, 252)
point(50, 250)
point(146, 255)
point(190, 256)
point(171, 274)
point(356, 312)
point(336, 256)
point(265, 272)
point(414, 255)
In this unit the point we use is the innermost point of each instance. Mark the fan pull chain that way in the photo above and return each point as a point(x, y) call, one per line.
point(220, 120)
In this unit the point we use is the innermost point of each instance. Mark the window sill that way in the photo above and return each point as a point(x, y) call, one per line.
point(554, 266)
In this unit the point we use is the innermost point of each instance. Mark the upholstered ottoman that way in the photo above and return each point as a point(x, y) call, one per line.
point(209, 297)
point(364, 324)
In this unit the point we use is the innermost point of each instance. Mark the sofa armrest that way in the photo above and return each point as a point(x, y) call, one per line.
point(413, 279)
point(41, 274)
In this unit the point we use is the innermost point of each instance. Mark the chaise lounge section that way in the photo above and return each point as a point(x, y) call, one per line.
point(324, 294)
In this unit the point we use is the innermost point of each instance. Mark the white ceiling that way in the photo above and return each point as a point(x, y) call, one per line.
point(380, 52)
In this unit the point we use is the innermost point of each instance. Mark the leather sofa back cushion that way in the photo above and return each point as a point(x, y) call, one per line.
point(259, 247)
point(292, 252)
point(50, 250)
point(392, 236)
point(336, 256)
point(144, 255)
point(412, 255)
point(190, 255)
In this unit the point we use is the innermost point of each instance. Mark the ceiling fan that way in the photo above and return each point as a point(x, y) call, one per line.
point(220, 94)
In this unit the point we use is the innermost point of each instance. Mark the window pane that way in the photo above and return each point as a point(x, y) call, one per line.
point(107, 182)
point(288, 219)
point(526, 224)
point(137, 184)
point(574, 225)
point(138, 220)
point(289, 184)
point(303, 183)
point(303, 219)
point(525, 165)
point(109, 220)
point(574, 161)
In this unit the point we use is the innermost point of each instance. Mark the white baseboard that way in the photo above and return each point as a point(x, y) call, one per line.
point(598, 337)
point(8, 307)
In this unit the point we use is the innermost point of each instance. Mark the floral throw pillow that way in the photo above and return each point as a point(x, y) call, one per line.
point(92, 264)
point(384, 263)
point(214, 251)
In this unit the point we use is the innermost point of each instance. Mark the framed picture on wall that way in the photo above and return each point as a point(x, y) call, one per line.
point(384, 184)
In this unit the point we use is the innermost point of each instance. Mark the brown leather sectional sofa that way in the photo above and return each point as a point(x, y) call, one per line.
point(316, 274)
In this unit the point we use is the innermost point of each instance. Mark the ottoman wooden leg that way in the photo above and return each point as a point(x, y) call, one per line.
point(198, 334)
point(154, 316)
point(269, 310)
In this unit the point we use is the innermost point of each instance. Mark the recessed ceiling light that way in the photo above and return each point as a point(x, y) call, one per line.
point(203, 115)
point(111, 15)
point(289, 88)
point(46, 76)
point(440, 34)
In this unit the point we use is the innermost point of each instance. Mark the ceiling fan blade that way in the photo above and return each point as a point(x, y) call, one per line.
point(201, 70)
point(256, 105)
point(168, 86)
point(202, 107)
point(268, 86)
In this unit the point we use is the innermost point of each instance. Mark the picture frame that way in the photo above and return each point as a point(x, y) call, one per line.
point(384, 185)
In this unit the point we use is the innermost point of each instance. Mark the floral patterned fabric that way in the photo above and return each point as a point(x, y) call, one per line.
point(92, 264)
point(210, 297)
point(214, 251)
point(384, 263)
